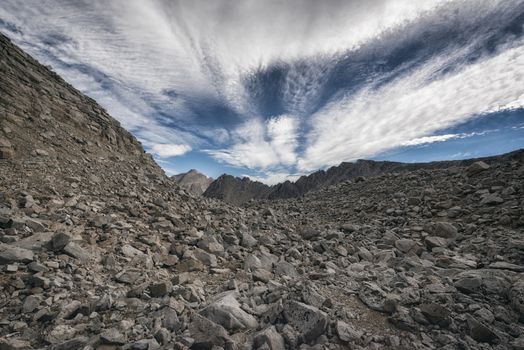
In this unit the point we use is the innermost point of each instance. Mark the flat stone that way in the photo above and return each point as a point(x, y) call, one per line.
point(10, 254)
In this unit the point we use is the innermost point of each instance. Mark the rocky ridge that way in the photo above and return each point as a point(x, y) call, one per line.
point(100, 250)
point(237, 191)
point(193, 182)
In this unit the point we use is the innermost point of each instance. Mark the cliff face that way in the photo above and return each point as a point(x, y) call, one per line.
point(237, 191)
point(193, 182)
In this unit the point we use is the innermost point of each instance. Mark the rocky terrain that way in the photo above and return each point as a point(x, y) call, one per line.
point(237, 191)
point(193, 182)
point(99, 249)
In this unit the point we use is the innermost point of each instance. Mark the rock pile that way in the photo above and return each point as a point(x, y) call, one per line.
point(100, 250)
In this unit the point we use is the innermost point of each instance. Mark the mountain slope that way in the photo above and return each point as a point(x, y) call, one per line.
point(237, 191)
point(193, 181)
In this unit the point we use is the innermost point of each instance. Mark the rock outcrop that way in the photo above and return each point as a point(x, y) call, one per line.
point(193, 182)
point(99, 249)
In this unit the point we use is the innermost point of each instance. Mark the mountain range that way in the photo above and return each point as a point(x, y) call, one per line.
point(237, 191)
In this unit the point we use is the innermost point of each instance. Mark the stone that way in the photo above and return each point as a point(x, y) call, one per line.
point(14, 344)
point(468, 284)
point(516, 298)
point(405, 245)
point(112, 336)
point(31, 302)
point(480, 332)
point(76, 251)
point(348, 333)
point(60, 334)
point(248, 241)
point(445, 230)
point(476, 168)
point(160, 289)
point(269, 338)
point(207, 334)
point(436, 314)
point(225, 310)
point(10, 254)
point(308, 320)
point(283, 268)
point(435, 242)
point(59, 241)
point(491, 199)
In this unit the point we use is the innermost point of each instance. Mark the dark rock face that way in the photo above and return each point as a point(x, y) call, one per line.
point(238, 191)
point(193, 182)
point(100, 250)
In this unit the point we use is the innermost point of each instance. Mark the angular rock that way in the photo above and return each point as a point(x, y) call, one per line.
point(226, 311)
point(10, 254)
point(308, 320)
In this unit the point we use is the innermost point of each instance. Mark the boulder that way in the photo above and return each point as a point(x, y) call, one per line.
point(308, 320)
point(476, 168)
point(10, 254)
point(207, 334)
point(225, 310)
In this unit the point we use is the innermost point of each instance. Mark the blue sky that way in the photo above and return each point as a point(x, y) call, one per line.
point(273, 90)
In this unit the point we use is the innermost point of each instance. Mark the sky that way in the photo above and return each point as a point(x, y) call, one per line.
point(277, 89)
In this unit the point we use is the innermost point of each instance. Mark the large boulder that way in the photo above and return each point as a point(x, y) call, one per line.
point(207, 334)
point(308, 320)
point(226, 311)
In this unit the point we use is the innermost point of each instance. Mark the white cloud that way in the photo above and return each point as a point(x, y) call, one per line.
point(170, 150)
point(411, 107)
point(273, 178)
point(259, 144)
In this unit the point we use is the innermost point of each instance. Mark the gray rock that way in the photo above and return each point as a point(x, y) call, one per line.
point(405, 245)
point(160, 289)
point(76, 251)
point(269, 338)
point(207, 334)
point(112, 336)
point(348, 333)
point(480, 332)
point(476, 168)
point(436, 314)
point(445, 230)
point(308, 320)
point(225, 310)
point(11, 254)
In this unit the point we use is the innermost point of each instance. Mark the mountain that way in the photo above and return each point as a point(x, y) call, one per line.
point(99, 249)
point(238, 191)
point(193, 181)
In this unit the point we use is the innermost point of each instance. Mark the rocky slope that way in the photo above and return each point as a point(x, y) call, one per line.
point(238, 191)
point(100, 250)
point(193, 182)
